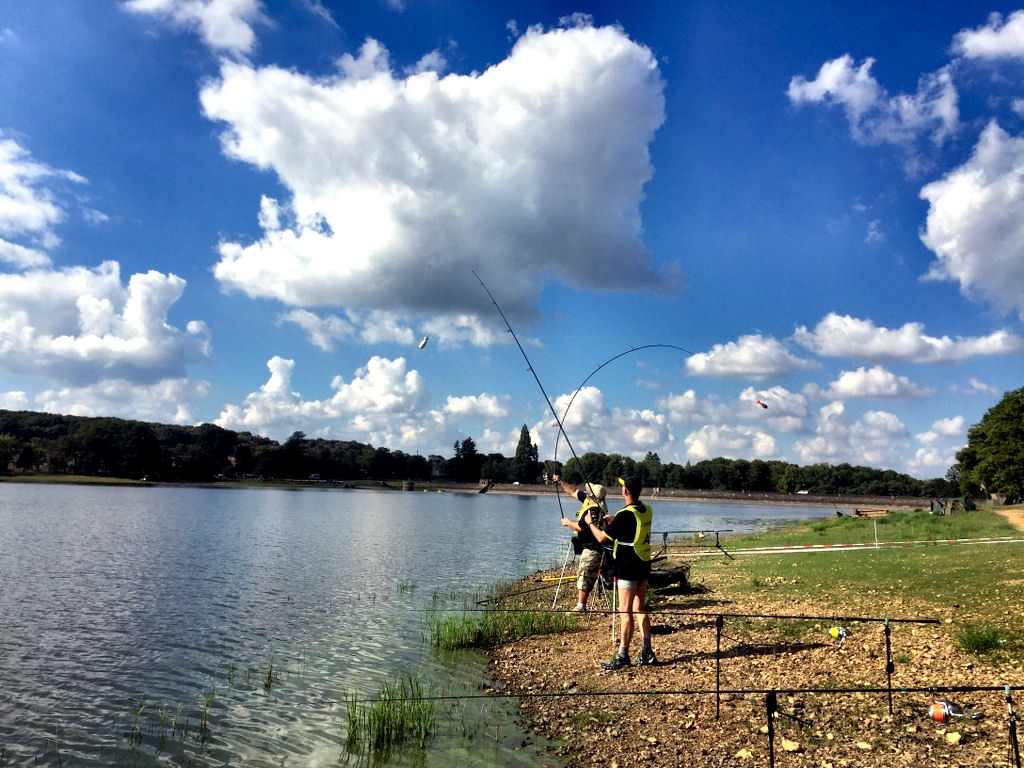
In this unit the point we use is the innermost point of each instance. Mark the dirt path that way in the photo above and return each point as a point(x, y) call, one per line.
point(1015, 515)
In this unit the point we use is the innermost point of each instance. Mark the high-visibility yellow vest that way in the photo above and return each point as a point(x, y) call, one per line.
point(589, 503)
point(641, 543)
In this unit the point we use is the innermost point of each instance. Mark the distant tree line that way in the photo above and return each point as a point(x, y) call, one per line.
point(756, 476)
point(32, 442)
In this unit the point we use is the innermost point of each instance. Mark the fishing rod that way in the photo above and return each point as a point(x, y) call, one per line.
point(594, 372)
point(493, 599)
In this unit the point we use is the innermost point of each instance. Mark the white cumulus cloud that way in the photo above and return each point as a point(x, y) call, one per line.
point(878, 439)
point(974, 225)
point(165, 401)
point(477, 405)
point(873, 382)
point(593, 426)
point(752, 356)
point(998, 38)
point(786, 410)
point(385, 403)
point(711, 441)
point(938, 447)
point(323, 331)
point(82, 325)
point(689, 407)
point(14, 400)
point(874, 116)
point(29, 208)
point(955, 426)
point(845, 336)
point(530, 170)
point(225, 26)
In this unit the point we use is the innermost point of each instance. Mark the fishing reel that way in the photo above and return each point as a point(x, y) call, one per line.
point(839, 634)
point(942, 711)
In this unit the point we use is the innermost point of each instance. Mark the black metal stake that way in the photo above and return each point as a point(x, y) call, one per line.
point(718, 545)
point(719, 623)
point(889, 666)
point(1014, 746)
point(771, 704)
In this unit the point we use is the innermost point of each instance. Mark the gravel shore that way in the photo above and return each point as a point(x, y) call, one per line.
point(706, 701)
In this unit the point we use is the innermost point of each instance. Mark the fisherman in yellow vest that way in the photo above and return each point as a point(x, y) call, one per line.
point(630, 534)
point(589, 551)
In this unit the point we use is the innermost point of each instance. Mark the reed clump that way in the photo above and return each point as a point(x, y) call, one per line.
point(156, 730)
point(491, 627)
point(402, 714)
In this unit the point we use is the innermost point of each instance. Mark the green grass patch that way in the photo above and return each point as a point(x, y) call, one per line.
point(68, 479)
point(270, 677)
point(941, 574)
point(980, 639)
point(896, 526)
point(596, 719)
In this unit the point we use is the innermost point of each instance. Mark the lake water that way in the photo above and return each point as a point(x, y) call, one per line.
point(209, 627)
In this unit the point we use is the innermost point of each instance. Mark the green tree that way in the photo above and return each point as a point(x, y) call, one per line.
point(993, 459)
point(572, 471)
point(464, 466)
point(496, 468)
point(29, 457)
point(652, 470)
point(8, 448)
point(524, 463)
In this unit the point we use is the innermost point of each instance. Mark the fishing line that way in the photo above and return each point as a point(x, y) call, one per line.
point(694, 692)
point(693, 614)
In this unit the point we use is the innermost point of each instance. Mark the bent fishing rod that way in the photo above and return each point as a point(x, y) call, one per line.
point(594, 372)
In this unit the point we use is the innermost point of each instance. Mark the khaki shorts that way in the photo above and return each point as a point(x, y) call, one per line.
point(586, 570)
point(634, 585)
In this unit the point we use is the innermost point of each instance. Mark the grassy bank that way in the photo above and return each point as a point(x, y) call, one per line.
point(977, 585)
point(968, 565)
point(67, 479)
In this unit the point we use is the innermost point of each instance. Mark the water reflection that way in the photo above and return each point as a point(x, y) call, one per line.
point(217, 627)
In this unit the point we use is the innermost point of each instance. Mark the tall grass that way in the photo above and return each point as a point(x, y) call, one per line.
point(270, 677)
point(402, 714)
point(980, 639)
point(488, 628)
point(156, 731)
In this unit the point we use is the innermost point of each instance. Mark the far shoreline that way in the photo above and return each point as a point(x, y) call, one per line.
point(838, 501)
point(744, 497)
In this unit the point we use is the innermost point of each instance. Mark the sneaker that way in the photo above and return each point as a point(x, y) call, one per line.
point(617, 662)
point(646, 659)
point(579, 609)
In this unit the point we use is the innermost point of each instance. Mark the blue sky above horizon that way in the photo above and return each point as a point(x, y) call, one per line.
point(250, 213)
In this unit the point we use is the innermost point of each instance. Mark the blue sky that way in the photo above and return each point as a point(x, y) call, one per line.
point(250, 213)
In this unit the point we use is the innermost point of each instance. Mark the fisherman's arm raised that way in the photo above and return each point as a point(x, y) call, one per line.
point(572, 490)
